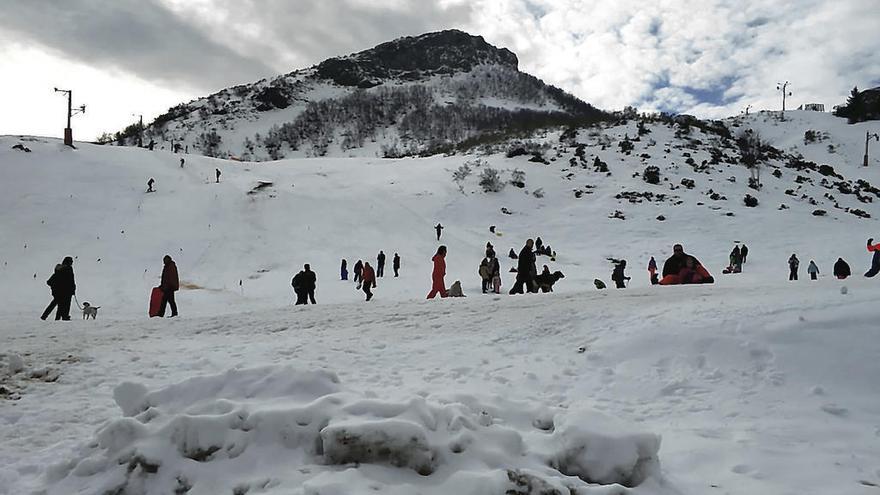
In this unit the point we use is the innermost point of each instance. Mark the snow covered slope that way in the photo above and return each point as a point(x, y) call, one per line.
point(746, 381)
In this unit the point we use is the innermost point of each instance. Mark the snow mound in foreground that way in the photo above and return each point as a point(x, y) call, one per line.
point(282, 430)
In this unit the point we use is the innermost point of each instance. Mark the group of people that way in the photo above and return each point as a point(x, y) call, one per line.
point(737, 259)
point(364, 274)
point(152, 181)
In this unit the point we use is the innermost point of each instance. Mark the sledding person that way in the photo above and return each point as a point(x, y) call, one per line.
point(438, 285)
point(652, 270)
point(358, 272)
point(150, 184)
point(841, 269)
point(682, 268)
point(380, 264)
point(169, 285)
point(813, 270)
point(875, 261)
point(369, 280)
point(793, 263)
point(343, 270)
point(485, 275)
point(439, 229)
point(455, 290)
point(618, 276)
point(54, 302)
point(395, 264)
point(217, 174)
point(526, 271)
point(744, 251)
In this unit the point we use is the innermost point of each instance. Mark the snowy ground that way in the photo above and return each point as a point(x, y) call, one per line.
point(754, 384)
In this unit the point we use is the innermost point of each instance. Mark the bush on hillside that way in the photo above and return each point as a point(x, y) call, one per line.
point(490, 180)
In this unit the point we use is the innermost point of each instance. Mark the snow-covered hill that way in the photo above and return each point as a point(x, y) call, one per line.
point(408, 96)
point(745, 381)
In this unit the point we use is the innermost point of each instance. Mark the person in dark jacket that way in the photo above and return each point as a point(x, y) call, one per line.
point(744, 252)
point(343, 270)
point(736, 260)
point(169, 285)
point(369, 280)
point(875, 261)
point(51, 283)
point(526, 271)
point(395, 264)
point(358, 272)
point(217, 174)
point(682, 268)
point(63, 288)
point(618, 275)
point(490, 250)
point(495, 272)
point(652, 270)
point(439, 229)
point(841, 269)
point(298, 284)
point(310, 281)
point(793, 264)
point(380, 264)
point(150, 184)
point(438, 284)
point(485, 275)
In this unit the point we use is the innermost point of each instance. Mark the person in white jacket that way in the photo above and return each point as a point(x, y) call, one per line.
point(813, 270)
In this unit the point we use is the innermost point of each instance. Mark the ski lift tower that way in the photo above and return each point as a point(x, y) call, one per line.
point(68, 131)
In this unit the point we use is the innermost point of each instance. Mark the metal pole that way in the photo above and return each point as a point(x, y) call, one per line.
point(69, 107)
point(868, 137)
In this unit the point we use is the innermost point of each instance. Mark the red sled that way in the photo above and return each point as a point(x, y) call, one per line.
point(155, 301)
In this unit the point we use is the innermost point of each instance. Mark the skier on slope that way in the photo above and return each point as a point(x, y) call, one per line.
point(438, 285)
point(793, 263)
point(841, 269)
point(875, 261)
point(813, 270)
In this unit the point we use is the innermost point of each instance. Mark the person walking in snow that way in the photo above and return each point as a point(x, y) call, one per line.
point(369, 280)
point(358, 273)
point(310, 282)
point(395, 264)
point(438, 285)
point(618, 275)
point(485, 276)
point(169, 285)
point(380, 264)
point(875, 261)
point(841, 269)
point(439, 229)
point(51, 283)
point(526, 271)
point(298, 285)
point(150, 184)
point(217, 174)
point(343, 270)
point(652, 270)
point(813, 270)
point(744, 252)
point(181, 162)
point(793, 263)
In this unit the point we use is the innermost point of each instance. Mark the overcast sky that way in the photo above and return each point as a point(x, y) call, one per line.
point(709, 58)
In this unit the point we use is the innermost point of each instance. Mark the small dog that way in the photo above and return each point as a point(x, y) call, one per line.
point(89, 310)
point(545, 282)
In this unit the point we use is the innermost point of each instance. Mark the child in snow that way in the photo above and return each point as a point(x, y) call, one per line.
point(813, 270)
point(485, 275)
point(652, 269)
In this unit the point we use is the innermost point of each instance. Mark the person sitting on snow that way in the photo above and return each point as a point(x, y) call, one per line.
point(841, 269)
point(682, 268)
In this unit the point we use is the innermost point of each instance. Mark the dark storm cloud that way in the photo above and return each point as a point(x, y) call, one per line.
point(141, 37)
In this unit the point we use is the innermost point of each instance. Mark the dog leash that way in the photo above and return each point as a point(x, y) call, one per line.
point(77, 302)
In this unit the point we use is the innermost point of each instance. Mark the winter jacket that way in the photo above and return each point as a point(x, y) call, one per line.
point(297, 281)
point(369, 275)
point(396, 262)
point(875, 261)
point(793, 262)
point(841, 269)
point(494, 268)
point(309, 280)
point(652, 265)
point(813, 268)
point(485, 274)
point(439, 267)
point(617, 275)
point(170, 282)
point(61, 281)
point(381, 259)
point(525, 267)
point(358, 268)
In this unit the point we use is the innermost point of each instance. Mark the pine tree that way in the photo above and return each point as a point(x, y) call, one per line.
point(855, 106)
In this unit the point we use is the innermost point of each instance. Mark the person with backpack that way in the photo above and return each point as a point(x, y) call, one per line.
point(170, 284)
point(793, 263)
point(298, 284)
point(438, 285)
point(485, 276)
point(618, 276)
point(841, 269)
point(395, 264)
point(343, 270)
point(652, 270)
point(813, 270)
point(526, 270)
point(368, 277)
point(875, 261)
point(358, 273)
point(53, 303)
point(380, 264)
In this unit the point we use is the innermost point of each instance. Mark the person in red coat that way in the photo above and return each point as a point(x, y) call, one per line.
point(170, 284)
point(438, 286)
point(368, 279)
point(875, 261)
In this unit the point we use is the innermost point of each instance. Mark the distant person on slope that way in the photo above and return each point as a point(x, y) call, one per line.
point(380, 264)
point(735, 260)
point(181, 162)
point(485, 275)
point(682, 268)
point(439, 229)
point(395, 264)
point(170, 284)
point(526, 271)
point(744, 252)
point(217, 174)
point(875, 261)
point(358, 273)
point(495, 272)
point(618, 275)
point(438, 285)
point(150, 184)
point(369, 280)
point(652, 270)
point(841, 269)
point(490, 250)
point(343, 270)
point(51, 283)
point(63, 288)
point(298, 284)
point(813, 270)
point(310, 281)
point(793, 264)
